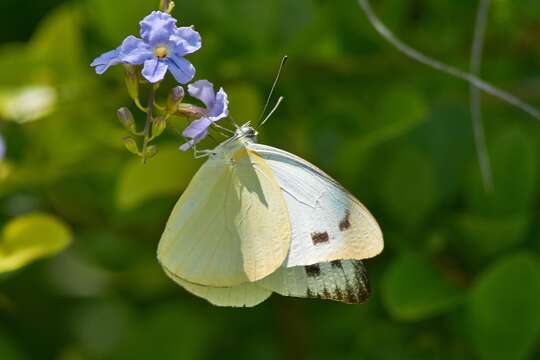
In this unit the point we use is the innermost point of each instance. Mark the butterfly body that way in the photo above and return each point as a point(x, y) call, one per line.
point(256, 220)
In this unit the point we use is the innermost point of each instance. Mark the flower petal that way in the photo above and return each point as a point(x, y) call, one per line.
point(103, 62)
point(187, 145)
point(182, 70)
point(220, 108)
point(134, 51)
point(2, 148)
point(204, 91)
point(198, 129)
point(157, 27)
point(154, 70)
point(186, 40)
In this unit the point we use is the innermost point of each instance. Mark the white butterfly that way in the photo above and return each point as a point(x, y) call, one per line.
point(256, 220)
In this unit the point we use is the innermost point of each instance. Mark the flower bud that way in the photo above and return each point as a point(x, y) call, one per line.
point(151, 151)
point(131, 78)
point(131, 145)
point(191, 111)
point(158, 125)
point(126, 118)
point(175, 98)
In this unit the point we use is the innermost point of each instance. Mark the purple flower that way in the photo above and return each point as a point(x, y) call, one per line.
point(162, 47)
point(2, 148)
point(217, 107)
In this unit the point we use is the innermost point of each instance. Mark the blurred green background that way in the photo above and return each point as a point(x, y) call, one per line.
point(460, 274)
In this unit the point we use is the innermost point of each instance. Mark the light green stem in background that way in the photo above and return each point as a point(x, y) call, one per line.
point(476, 111)
point(450, 70)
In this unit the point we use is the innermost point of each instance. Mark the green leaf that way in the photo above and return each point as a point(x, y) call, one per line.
point(58, 40)
point(30, 237)
point(504, 308)
point(488, 236)
point(166, 174)
point(413, 289)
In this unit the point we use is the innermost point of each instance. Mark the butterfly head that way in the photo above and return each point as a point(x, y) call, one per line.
point(246, 131)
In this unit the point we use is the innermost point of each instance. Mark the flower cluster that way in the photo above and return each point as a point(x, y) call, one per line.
point(162, 48)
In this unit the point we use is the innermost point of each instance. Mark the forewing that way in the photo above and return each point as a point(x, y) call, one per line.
point(327, 222)
point(263, 222)
point(340, 280)
point(230, 225)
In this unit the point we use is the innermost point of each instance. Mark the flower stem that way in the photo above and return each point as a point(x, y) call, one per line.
point(149, 120)
point(138, 104)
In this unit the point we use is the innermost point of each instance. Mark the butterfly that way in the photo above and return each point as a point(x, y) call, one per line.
point(257, 220)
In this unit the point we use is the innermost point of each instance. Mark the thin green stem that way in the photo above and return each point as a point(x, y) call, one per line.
point(159, 107)
point(138, 104)
point(149, 120)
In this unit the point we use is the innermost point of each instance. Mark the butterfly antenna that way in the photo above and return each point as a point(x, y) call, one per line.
point(223, 128)
point(233, 121)
point(271, 112)
point(283, 61)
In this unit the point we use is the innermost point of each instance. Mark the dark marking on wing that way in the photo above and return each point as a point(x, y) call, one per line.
point(320, 237)
point(345, 223)
point(338, 295)
point(326, 294)
point(361, 286)
point(351, 296)
point(355, 290)
point(313, 270)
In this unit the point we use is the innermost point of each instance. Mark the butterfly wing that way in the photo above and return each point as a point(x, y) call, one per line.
point(340, 280)
point(243, 295)
point(230, 225)
point(328, 223)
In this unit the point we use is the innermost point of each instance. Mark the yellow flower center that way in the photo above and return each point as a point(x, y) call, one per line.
point(161, 51)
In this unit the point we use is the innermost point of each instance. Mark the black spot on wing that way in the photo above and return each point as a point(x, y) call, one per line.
point(320, 237)
point(336, 264)
point(313, 270)
point(345, 223)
